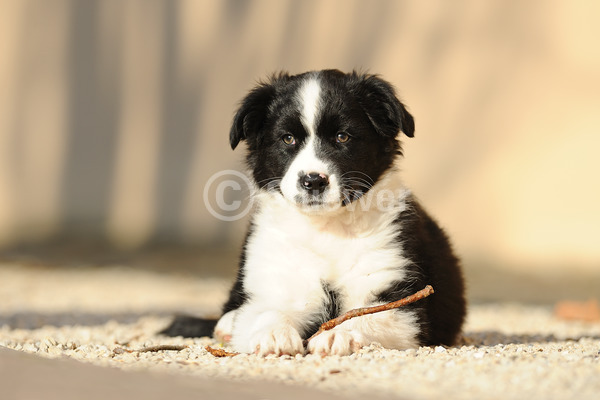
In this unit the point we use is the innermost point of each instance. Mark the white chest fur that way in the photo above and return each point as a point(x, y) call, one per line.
point(291, 254)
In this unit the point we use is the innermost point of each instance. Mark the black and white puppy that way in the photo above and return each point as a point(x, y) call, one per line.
point(334, 227)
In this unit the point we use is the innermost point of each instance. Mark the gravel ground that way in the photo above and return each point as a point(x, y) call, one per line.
point(109, 317)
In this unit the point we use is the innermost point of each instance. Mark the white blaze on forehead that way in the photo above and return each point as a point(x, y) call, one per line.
point(307, 161)
point(309, 96)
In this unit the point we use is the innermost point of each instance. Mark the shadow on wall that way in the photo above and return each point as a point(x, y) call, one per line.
point(102, 115)
point(126, 144)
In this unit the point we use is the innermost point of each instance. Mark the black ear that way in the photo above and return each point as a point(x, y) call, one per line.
point(251, 115)
point(387, 114)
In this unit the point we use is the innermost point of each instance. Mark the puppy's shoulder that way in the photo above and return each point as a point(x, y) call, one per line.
point(419, 231)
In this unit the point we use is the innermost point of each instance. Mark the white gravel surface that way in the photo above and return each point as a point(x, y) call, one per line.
point(105, 316)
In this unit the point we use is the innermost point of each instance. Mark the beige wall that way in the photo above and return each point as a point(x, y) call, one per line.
point(114, 114)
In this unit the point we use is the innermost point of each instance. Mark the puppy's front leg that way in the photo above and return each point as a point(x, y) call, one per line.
point(393, 329)
point(265, 332)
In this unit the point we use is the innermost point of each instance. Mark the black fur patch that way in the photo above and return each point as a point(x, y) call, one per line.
point(190, 327)
point(331, 306)
point(425, 244)
point(237, 295)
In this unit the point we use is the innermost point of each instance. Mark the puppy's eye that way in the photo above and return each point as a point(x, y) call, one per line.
point(342, 137)
point(288, 139)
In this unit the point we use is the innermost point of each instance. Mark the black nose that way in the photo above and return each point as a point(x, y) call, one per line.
point(314, 182)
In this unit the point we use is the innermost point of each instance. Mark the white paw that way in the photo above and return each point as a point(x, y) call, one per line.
point(280, 340)
point(336, 342)
point(224, 327)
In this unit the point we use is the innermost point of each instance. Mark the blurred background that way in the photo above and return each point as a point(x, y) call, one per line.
point(115, 114)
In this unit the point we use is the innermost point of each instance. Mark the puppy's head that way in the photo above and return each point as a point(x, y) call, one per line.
point(320, 139)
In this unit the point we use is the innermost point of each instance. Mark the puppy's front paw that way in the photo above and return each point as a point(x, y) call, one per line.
point(280, 340)
point(224, 327)
point(336, 342)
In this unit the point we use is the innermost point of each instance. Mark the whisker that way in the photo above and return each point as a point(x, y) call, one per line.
point(259, 183)
point(271, 184)
point(354, 173)
point(357, 184)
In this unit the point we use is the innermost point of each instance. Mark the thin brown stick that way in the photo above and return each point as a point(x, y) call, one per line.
point(357, 312)
point(160, 347)
point(220, 352)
